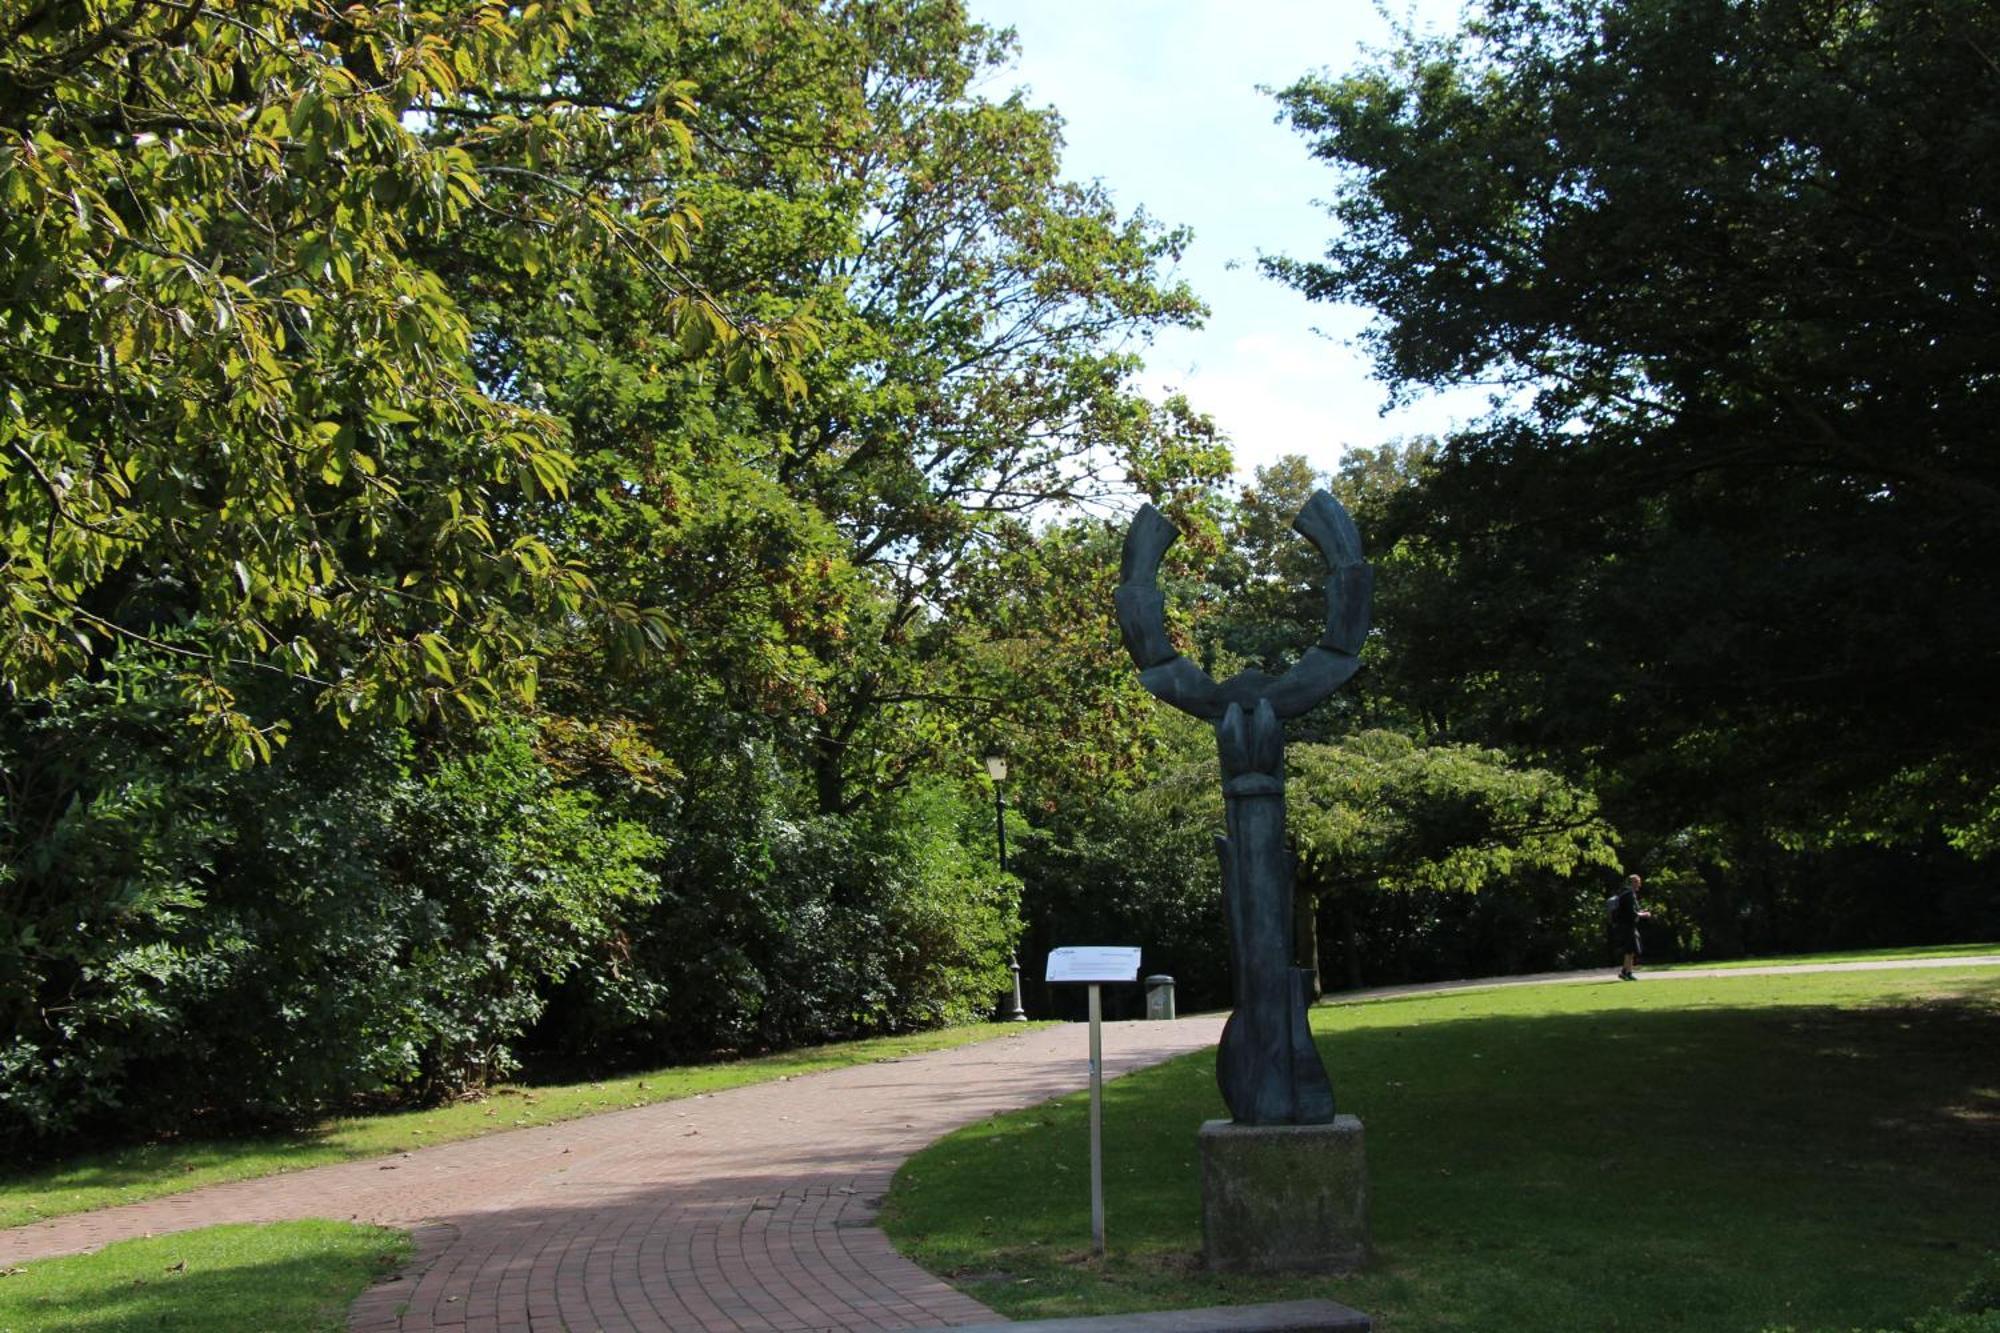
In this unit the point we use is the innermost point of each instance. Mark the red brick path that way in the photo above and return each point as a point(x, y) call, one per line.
point(743, 1210)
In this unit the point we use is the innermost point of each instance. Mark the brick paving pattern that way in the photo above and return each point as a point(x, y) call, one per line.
point(745, 1210)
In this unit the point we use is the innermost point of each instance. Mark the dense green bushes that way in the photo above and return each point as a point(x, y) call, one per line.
point(1414, 863)
point(378, 914)
point(183, 939)
point(777, 925)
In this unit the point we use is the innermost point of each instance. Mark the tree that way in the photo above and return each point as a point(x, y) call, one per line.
point(974, 317)
point(978, 316)
point(569, 460)
point(863, 580)
point(1377, 813)
point(189, 943)
point(1733, 539)
point(240, 423)
point(1268, 607)
point(1134, 861)
point(1266, 586)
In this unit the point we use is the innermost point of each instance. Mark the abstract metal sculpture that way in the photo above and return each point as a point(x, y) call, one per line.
point(1266, 1063)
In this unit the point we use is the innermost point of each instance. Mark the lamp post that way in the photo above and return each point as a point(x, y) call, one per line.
point(996, 768)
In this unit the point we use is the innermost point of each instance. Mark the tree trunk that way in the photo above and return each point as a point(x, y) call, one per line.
point(1721, 926)
point(1350, 930)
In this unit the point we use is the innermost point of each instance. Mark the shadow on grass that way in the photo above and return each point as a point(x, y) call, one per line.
point(1698, 1167)
point(37, 1192)
point(295, 1276)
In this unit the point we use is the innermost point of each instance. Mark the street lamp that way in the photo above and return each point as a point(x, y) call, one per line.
point(996, 768)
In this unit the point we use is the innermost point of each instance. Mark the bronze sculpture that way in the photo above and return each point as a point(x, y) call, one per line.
point(1266, 1064)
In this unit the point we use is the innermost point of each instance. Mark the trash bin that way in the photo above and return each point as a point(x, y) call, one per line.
point(1159, 997)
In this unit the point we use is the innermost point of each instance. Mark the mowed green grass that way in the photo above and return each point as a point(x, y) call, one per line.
point(298, 1277)
point(149, 1170)
point(1852, 956)
point(1699, 1155)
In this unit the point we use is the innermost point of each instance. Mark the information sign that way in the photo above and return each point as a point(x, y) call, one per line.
point(1094, 963)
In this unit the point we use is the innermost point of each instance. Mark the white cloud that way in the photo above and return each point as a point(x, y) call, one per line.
point(1161, 104)
point(1277, 394)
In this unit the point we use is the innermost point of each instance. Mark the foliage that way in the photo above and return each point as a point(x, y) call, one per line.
point(241, 422)
point(819, 558)
point(1512, 1135)
point(1732, 263)
point(1986, 1320)
point(1982, 1293)
point(1427, 861)
point(977, 317)
point(1442, 860)
point(1135, 864)
point(1381, 811)
point(1266, 579)
point(182, 938)
point(777, 925)
point(1262, 599)
point(1041, 643)
point(692, 379)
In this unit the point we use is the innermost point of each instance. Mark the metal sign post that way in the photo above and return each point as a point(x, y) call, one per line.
point(1095, 966)
point(1096, 1122)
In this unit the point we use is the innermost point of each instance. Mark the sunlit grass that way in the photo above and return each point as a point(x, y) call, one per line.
point(1715, 1154)
point(1852, 956)
point(146, 1171)
point(296, 1276)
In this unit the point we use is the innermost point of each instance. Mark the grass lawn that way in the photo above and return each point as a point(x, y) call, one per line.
point(146, 1171)
point(1701, 1156)
point(1857, 956)
point(295, 1276)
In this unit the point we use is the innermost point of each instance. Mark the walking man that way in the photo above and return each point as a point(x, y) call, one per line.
point(1625, 916)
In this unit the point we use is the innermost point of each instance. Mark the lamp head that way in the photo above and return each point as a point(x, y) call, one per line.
point(996, 767)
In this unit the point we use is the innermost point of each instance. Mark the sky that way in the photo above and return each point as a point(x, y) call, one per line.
point(1160, 102)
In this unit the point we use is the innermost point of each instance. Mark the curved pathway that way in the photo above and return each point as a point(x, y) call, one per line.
point(740, 1211)
point(751, 1209)
point(1677, 973)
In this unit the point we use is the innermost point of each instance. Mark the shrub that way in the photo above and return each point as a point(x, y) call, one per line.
point(777, 925)
point(182, 942)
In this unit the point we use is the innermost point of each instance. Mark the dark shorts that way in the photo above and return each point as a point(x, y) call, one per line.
point(1624, 939)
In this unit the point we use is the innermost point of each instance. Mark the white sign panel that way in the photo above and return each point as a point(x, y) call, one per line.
point(1094, 963)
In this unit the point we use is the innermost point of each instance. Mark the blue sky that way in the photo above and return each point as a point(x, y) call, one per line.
point(1160, 102)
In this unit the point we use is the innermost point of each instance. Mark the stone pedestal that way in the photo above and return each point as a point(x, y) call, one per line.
point(1284, 1197)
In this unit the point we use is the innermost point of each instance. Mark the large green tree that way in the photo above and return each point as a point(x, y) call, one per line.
point(243, 422)
point(975, 317)
point(978, 316)
point(1377, 814)
point(1732, 537)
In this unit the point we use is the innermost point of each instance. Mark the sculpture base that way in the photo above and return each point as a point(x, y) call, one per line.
point(1278, 1198)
